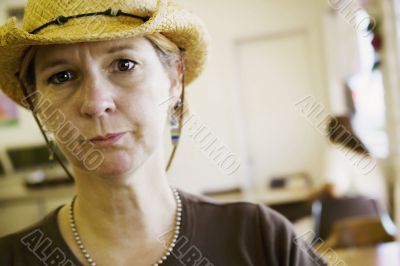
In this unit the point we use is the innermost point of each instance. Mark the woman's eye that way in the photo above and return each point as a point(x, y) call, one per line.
point(61, 77)
point(125, 65)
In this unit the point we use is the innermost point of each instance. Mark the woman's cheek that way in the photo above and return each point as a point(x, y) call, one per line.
point(51, 112)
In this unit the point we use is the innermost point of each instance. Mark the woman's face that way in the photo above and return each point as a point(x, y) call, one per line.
point(110, 93)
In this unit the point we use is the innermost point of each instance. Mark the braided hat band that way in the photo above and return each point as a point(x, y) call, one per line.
point(70, 21)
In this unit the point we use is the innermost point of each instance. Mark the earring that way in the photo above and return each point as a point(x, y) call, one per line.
point(50, 147)
point(174, 122)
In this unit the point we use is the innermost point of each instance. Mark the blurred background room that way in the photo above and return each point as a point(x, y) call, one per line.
point(298, 108)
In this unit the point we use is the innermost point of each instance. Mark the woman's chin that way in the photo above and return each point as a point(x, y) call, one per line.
point(114, 165)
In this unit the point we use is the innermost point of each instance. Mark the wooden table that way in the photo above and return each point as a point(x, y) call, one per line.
point(13, 190)
point(265, 196)
point(387, 254)
point(290, 202)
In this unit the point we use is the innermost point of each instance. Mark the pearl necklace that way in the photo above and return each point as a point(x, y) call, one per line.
point(89, 258)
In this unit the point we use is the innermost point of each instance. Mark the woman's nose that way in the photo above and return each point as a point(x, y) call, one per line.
point(97, 98)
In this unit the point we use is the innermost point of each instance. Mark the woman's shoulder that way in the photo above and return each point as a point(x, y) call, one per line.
point(243, 209)
point(254, 221)
point(12, 246)
point(33, 245)
point(17, 238)
point(247, 218)
point(252, 228)
point(44, 222)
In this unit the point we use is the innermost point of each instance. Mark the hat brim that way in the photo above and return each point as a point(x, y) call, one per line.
point(180, 26)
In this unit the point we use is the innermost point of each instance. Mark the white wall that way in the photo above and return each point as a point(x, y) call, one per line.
point(25, 132)
point(213, 97)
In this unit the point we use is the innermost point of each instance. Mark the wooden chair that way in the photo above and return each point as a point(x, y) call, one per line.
point(356, 232)
point(328, 211)
point(2, 171)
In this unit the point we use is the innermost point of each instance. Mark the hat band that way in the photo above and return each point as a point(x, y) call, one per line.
point(112, 12)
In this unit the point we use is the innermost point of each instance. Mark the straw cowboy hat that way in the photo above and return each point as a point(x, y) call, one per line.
point(70, 21)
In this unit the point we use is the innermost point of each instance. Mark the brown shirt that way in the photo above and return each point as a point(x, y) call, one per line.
point(212, 233)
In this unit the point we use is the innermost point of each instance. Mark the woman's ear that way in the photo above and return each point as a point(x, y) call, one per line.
point(176, 81)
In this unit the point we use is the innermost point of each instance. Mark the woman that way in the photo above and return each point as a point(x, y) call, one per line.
point(102, 80)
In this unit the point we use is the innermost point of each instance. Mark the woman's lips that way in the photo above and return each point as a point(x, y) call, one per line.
point(108, 140)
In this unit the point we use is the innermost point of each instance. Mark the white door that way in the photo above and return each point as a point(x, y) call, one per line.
point(275, 73)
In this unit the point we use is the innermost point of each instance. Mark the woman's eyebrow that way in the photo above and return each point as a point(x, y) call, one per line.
point(118, 48)
point(51, 64)
point(57, 62)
